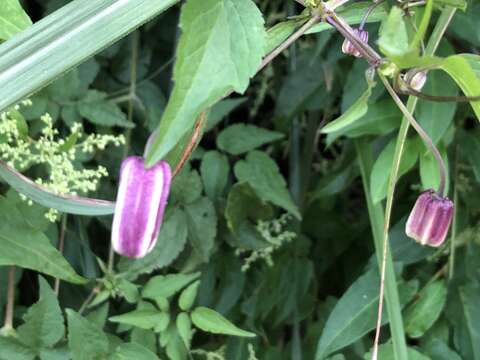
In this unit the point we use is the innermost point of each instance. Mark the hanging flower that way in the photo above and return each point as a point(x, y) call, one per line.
point(430, 219)
point(351, 49)
point(141, 200)
point(416, 79)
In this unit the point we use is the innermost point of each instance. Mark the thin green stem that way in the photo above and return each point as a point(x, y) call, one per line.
point(432, 45)
point(8, 324)
point(61, 246)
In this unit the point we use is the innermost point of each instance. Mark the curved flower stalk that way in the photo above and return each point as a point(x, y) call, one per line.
point(430, 219)
point(141, 200)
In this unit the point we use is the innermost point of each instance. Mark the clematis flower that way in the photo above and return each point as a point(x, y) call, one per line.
point(351, 49)
point(416, 79)
point(430, 219)
point(141, 200)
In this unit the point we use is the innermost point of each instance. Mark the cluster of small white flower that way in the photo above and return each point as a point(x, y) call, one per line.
point(20, 151)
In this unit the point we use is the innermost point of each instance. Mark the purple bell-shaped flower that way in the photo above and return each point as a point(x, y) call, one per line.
point(351, 49)
point(141, 200)
point(430, 219)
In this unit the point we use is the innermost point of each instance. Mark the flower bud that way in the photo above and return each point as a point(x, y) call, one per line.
point(416, 79)
point(349, 48)
point(430, 219)
point(141, 200)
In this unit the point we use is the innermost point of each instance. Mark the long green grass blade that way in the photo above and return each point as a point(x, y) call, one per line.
point(62, 40)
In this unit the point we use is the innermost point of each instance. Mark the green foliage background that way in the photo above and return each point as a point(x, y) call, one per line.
point(266, 250)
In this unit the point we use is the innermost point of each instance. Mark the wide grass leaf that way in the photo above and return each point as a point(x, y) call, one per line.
point(220, 58)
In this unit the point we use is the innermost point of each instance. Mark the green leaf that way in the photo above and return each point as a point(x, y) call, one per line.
point(385, 352)
point(381, 168)
point(421, 315)
point(12, 349)
point(232, 28)
point(263, 175)
point(436, 117)
point(429, 173)
point(422, 28)
point(241, 138)
point(175, 348)
point(187, 297)
point(458, 67)
point(43, 323)
point(13, 19)
point(211, 321)
point(393, 40)
point(184, 327)
point(100, 111)
point(135, 351)
point(438, 350)
point(470, 298)
point(354, 112)
point(170, 243)
point(28, 248)
point(202, 226)
point(214, 170)
point(278, 33)
point(64, 203)
point(165, 286)
point(220, 110)
point(85, 339)
point(187, 186)
point(460, 4)
point(144, 319)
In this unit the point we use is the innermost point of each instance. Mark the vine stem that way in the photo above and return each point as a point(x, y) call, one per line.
point(61, 246)
point(8, 324)
point(432, 45)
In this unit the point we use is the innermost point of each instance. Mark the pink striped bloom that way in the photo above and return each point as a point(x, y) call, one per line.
point(141, 200)
point(430, 219)
point(351, 49)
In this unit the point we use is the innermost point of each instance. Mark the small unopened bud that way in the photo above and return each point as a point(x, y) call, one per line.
point(351, 49)
point(430, 219)
point(416, 79)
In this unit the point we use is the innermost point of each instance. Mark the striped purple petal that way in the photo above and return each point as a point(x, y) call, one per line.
point(141, 200)
point(430, 219)
point(351, 49)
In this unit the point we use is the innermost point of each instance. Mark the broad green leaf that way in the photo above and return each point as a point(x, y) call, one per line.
point(135, 351)
point(175, 347)
point(13, 19)
point(469, 143)
point(31, 249)
point(170, 243)
point(187, 186)
point(43, 323)
point(187, 297)
point(429, 173)
point(100, 111)
point(464, 25)
point(460, 70)
point(381, 169)
point(32, 59)
point(202, 226)
point(353, 13)
point(354, 112)
point(214, 171)
point(241, 138)
point(144, 319)
point(232, 28)
point(145, 338)
point(64, 203)
point(438, 350)
point(421, 315)
point(470, 298)
point(211, 321)
point(12, 349)
point(393, 40)
point(165, 286)
point(184, 327)
point(278, 33)
point(85, 339)
point(220, 110)
point(385, 352)
point(436, 117)
point(263, 175)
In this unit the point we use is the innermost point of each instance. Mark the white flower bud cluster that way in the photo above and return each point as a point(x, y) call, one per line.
point(20, 151)
point(274, 233)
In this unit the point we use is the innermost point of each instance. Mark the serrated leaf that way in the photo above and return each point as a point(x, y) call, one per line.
point(43, 323)
point(202, 226)
point(12, 349)
point(144, 319)
point(187, 186)
point(263, 175)
point(421, 315)
point(232, 28)
point(213, 322)
point(170, 243)
point(165, 286)
point(241, 138)
point(13, 19)
point(85, 339)
point(135, 351)
point(187, 297)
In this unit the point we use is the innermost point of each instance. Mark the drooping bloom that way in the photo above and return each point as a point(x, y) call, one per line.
point(430, 219)
point(416, 79)
point(141, 200)
point(351, 49)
